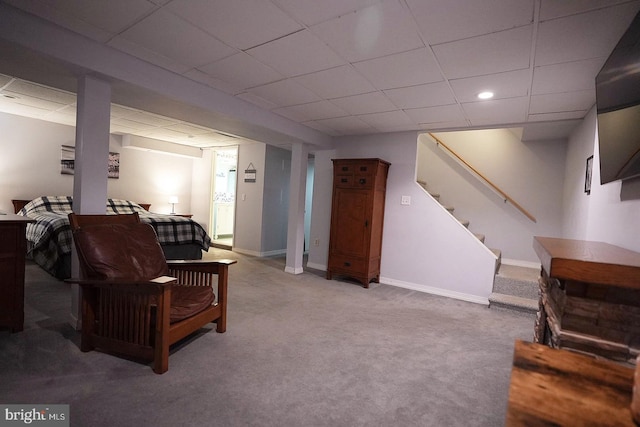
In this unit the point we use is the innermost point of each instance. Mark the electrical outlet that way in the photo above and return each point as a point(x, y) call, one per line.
point(406, 200)
point(316, 242)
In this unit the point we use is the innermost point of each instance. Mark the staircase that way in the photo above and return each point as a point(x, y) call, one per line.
point(514, 288)
point(465, 223)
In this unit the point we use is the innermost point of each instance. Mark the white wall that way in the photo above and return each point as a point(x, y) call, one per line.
point(30, 167)
point(602, 215)
point(532, 173)
point(276, 201)
point(423, 248)
point(247, 234)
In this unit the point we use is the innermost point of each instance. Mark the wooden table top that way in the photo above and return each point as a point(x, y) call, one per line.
point(587, 261)
point(563, 388)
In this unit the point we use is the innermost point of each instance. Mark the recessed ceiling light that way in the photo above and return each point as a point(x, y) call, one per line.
point(485, 95)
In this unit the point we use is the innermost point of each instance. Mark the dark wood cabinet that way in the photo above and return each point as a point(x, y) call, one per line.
point(13, 248)
point(357, 218)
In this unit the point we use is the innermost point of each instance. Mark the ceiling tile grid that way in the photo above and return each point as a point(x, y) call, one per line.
point(361, 66)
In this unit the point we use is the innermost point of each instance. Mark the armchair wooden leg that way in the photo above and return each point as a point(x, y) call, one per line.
point(161, 350)
point(88, 320)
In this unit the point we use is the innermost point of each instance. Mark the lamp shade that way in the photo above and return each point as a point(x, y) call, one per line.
point(173, 199)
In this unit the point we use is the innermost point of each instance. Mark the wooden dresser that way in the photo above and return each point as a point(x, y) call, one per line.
point(551, 387)
point(13, 249)
point(357, 218)
point(589, 298)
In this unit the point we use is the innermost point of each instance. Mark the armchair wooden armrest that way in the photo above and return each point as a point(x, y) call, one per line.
point(204, 273)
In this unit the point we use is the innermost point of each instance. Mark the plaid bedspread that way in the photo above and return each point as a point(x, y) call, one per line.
point(49, 238)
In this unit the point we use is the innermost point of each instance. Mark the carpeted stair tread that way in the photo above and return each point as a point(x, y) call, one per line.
point(480, 237)
point(515, 287)
point(512, 302)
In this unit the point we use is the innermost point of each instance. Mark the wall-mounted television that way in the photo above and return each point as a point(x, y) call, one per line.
point(618, 108)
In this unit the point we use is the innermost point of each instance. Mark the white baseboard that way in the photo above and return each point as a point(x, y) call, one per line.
point(292, 270)
point(435, 291)
point(259, 254)
point(520, 263)
point(315, 266)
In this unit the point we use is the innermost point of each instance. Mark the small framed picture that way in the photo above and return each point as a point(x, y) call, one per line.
point(587, 175)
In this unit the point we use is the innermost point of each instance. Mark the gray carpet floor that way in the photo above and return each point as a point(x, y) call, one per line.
point(299, 351)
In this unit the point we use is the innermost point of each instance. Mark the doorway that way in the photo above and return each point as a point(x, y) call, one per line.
point(223, 205)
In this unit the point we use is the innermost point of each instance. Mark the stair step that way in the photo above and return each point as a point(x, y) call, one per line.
point(512, 302)
point(449, 208)
point(480, 237)
point(435, 196)
point(464, 222)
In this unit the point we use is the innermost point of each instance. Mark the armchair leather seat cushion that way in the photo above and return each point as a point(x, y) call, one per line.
point(121, 251)
point(189, 300)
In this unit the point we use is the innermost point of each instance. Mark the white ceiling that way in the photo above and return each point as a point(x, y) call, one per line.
point(348, 67)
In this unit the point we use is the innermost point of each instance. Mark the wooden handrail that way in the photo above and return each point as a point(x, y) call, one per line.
point(494, 187)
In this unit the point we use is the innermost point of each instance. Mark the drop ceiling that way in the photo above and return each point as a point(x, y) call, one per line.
point(347, 67)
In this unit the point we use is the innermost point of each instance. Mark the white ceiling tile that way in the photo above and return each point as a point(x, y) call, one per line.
point(321, 127)
point(492, 53)
point(32, 101)
point(429, 95)
point(148, 55)
point(188, 129)
point(347, 125)
point(208, 80)
point(296, 54)
point(315, 111)
point(460, 19)
point(546, 117)
point(550, 9)
point(130, 125)
point(503, 111)
point(96, 19)
point(21, 87)
point(4, 80)
point(241, 70)
point(504, 85)
point(373, 102)
point(285, 93)
point(566, 77)
point(121, 111)
point(152, 119)
point(242, 24)
point(174, 38)
point(445, 113)
point(21, 109)
point(563, 39)
point(557, 102)
point(162, 134)
point(382, 29)
point(391, 119)
point(336, 82)
point(410, 68)
point(312, 12)
point(257, 100)
point(290, 114)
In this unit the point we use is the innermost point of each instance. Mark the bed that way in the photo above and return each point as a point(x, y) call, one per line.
point(49, 238)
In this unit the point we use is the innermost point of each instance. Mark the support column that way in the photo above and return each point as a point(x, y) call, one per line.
point(297, 191)
point(91, 161)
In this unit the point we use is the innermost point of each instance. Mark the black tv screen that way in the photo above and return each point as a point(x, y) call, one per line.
point(618, 108)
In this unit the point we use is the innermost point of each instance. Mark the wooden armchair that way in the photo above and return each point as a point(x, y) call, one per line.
point(135, 303)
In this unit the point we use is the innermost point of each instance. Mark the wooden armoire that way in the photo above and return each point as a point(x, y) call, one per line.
point(357, 218)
